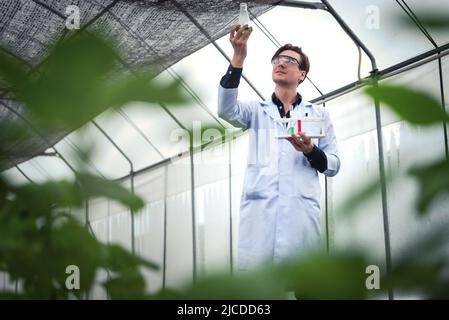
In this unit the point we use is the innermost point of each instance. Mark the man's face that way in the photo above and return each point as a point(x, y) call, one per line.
point(287, 72)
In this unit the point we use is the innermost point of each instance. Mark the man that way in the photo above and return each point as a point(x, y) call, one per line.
point(280, 204)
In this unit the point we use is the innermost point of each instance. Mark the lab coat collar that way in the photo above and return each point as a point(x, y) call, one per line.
point(271, 109)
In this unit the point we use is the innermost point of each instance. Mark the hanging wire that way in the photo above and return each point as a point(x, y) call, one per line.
point(264, 30)
point(359, 67)
point(415, 19)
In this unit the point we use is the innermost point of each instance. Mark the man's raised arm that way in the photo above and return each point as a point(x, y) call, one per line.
point(231, 110)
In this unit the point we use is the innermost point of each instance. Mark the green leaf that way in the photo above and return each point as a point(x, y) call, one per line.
point(119, 259)
point(315, 275)
point(430, 20)
point(433, 180)
point(130, 284)
point(418, 278)
point(340, 275)
point(72, 244)
point(79, 80)
point(39, 257)
point(258, 285)
point(435, 21)
point(66, 89)
point(39, 199)
point(38, 238)
point(11, 132)
point(413, 106)
point(420, 267)
point(93, 186)
point(141, 87)
point(13, 72)
point(10, 295)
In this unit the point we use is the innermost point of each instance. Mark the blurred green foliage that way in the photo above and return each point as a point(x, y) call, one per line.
point(408, 104)
point(430, 20)
point(39, 238)
point(80, 78)
point(418, 108)
point(421, 268)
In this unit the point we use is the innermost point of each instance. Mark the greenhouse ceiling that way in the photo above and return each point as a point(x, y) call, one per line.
point(187, 40)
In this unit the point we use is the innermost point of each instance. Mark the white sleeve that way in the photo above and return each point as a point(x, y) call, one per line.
point(230, 109)
point(329, 145)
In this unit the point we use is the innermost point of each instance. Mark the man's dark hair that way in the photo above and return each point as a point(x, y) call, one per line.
point(304, 63)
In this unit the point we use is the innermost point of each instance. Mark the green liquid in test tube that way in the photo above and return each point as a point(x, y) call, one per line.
point(292, 130)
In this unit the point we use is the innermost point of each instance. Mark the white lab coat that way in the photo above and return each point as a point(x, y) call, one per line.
point(280, 203)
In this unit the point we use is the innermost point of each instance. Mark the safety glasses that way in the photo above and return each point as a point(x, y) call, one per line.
point(288, 60)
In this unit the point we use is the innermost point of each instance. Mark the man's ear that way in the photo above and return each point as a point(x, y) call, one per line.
point(301, 80)
point(303, 77)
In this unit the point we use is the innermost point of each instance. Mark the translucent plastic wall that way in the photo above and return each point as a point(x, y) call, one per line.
point(218, 185)
point(164, 231)
point(404, 146)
